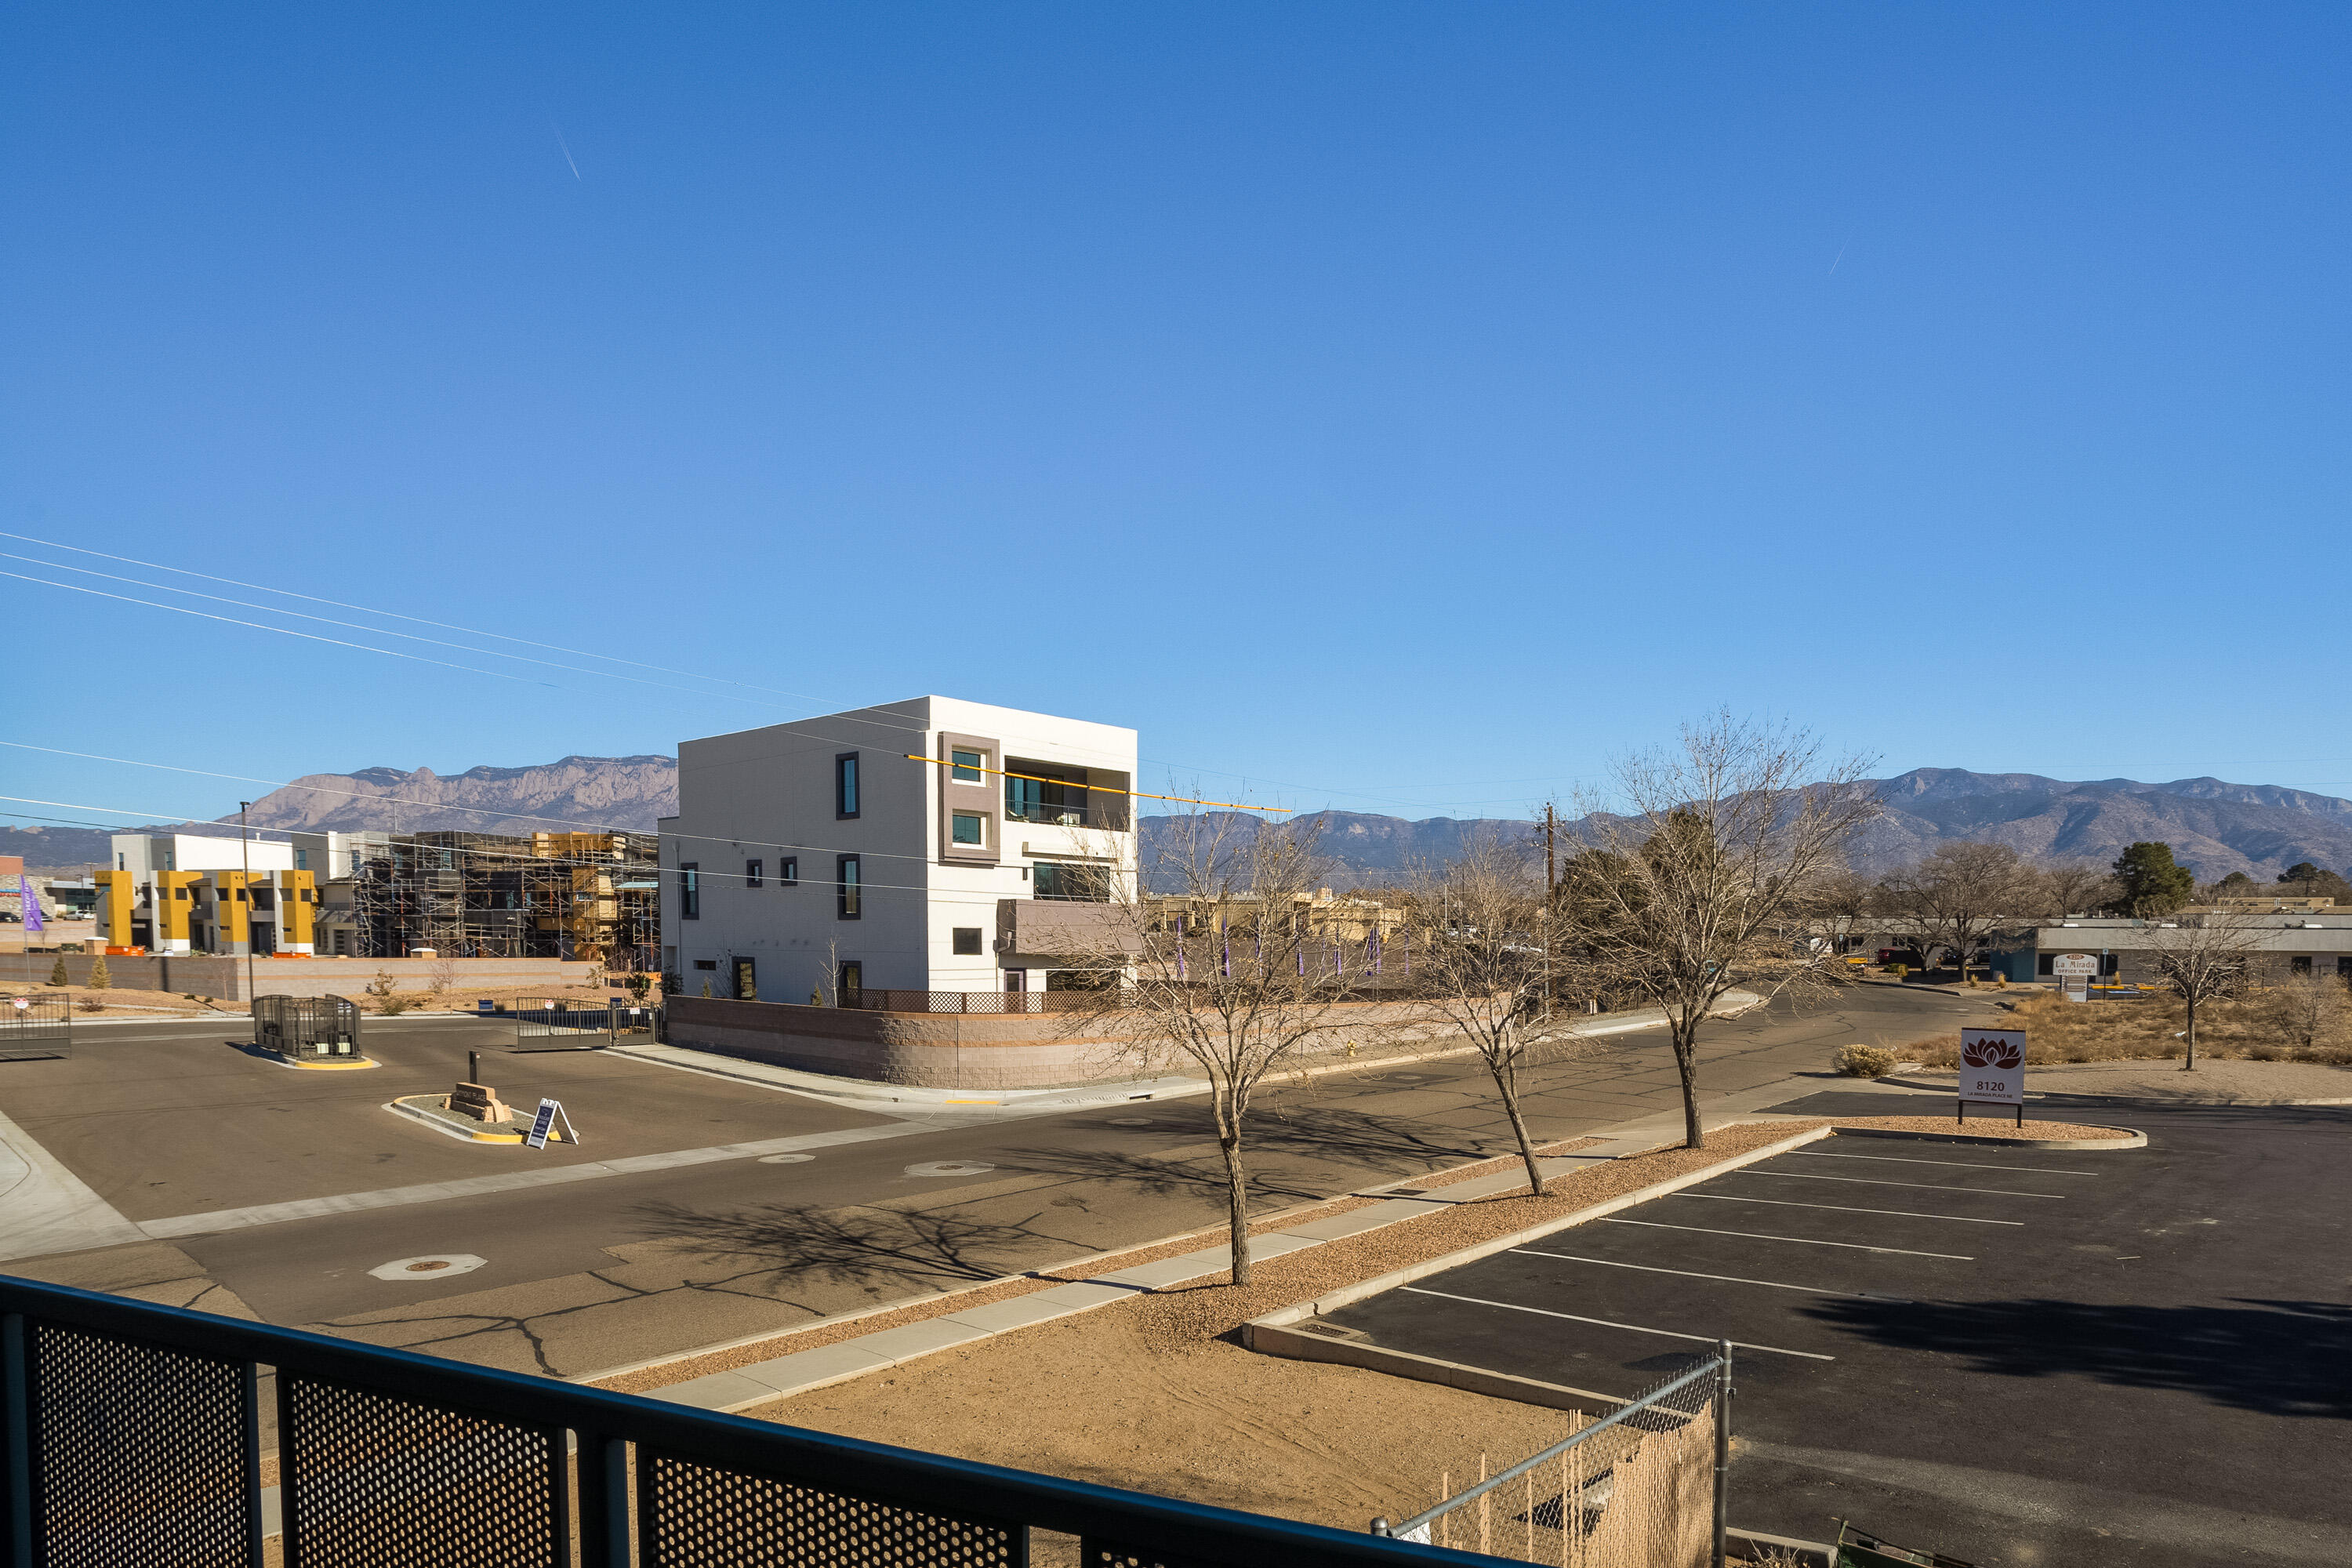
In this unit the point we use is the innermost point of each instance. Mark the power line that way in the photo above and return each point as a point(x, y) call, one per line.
point(445, 625)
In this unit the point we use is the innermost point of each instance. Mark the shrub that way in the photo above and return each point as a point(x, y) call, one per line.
point(391, 1005)
point(98, 977)
point(57, 973)
point(89, 1005)
point(1864, 1061)
point(638, 985)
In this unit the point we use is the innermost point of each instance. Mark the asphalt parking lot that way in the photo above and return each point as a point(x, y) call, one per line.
point(2009, 1355)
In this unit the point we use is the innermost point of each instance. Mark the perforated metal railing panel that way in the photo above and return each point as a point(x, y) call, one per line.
point(373, 1480)
point(141, 1454)
point(696, 1516)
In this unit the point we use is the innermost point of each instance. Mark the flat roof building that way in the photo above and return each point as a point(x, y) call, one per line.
point(815, 858)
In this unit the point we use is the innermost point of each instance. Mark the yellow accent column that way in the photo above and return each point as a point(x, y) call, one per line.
point(114, 906)
point(232, 910)
point(298, 894)
point(175, 900)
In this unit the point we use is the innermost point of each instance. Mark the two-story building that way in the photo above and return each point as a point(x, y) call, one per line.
point(926, 846)
point(180, 893)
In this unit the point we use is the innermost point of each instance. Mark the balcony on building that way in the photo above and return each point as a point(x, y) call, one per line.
point(1059, 795)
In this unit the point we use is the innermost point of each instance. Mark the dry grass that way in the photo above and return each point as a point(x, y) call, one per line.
point(2271, 1025)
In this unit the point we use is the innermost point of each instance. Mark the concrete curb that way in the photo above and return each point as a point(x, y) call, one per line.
point(2137, 1139)
point(1348, 1294)
point(450, 1130)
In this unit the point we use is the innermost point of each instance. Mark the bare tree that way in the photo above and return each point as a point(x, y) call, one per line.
point(1841, 903)
point(1223, 974)
point(2201, 958)
point(1701, 884)
point(2312, 1007)
point(1957, 895)
point(1484, 938)
point(2076, 888)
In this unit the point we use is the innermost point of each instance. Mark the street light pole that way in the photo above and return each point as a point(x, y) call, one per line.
point(245, 849)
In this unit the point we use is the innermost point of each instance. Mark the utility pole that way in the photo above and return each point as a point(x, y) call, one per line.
point(1551, 901)
point(245, 849)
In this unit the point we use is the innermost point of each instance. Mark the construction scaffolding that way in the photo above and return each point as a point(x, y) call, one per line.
point(591, 896)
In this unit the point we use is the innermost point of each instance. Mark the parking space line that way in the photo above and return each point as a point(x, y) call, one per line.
point(1608, 1323)
point(1694, 1274)
point(1803, 1240)
point(1873, 1182)
point(1967, 1164)
point(1840, 1208)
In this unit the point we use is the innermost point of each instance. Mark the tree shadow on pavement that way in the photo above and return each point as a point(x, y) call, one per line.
point(1373, 1145)
point(845, 1244)
point(2280, 1358)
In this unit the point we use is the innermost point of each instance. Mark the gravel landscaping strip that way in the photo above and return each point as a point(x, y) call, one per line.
point(1987, 1128)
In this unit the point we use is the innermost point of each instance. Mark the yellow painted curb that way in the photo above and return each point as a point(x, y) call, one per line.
point(354, 1066)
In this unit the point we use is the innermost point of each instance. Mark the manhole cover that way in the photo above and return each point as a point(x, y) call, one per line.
point(949, 1168)
point(1130, 1122)
point(786, 1158)
point(433, 1266)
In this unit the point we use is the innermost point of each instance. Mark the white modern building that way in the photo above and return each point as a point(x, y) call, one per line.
point(926, 846)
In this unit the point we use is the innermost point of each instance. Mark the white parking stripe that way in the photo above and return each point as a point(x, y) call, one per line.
point(1694, 1274)
point(1873, 1182)
point(1840, 1208)
point(1806, 1240)
point(1968, 1164)
point(1607, 1323)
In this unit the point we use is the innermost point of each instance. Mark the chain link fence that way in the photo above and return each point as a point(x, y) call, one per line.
point(1640, 1487)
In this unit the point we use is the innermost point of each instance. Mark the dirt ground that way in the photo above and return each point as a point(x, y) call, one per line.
point(2213, 1081)
point(2309, 1020)
point(1155, 1395)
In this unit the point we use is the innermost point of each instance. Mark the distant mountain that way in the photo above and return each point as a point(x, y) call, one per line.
point(577, 793)
point(2214, 828)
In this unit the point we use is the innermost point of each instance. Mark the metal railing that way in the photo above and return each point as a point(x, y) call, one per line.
point(569, 1024)
point(134, 1435)
point(1615, 1491)
point(36, 1027)
point(1109, 813)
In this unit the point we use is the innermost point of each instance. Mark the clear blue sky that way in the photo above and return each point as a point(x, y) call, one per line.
point(1397, 407)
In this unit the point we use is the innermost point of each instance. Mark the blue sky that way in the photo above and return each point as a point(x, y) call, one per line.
point(1396, 408)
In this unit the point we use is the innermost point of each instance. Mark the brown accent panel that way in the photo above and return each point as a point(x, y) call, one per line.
point(986, 798)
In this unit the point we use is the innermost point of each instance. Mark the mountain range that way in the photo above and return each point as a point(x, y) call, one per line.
point(2214, 828)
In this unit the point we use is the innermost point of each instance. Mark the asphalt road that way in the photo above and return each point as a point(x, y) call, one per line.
point(2012, 1356)
point(617, 1269)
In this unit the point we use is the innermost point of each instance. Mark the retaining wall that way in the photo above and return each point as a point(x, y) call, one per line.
point(222, 979)
point(953, 1050)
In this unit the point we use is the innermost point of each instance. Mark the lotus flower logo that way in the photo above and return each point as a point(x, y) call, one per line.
point(1994, 1053)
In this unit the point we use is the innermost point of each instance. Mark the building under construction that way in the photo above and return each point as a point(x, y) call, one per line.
point(592, 895)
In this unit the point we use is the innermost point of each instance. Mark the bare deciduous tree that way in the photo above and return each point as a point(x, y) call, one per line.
point(2076, 888)
point(1701, 883)
point(1224, 974)
point(1957, 895)
point(2202, 957)
point(2312, 1005)
point(1484, 942)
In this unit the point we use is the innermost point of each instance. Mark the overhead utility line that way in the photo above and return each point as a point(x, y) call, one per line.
point(1096, 789)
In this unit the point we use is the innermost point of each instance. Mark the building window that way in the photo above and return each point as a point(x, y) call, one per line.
point(689, 890)
point(1072, 884)
point(844, 784)
point(301, 859)
point(967, 942)
point(967, 766)
point(2047, 964)
point(751, 869)
point(2344, 969)
point(853, 983)
point(969, 827)
point(706, 964)
point(846, 886)
point(788, 870)
point(2300, 963)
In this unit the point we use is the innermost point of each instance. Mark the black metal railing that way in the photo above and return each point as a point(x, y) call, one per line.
point(31, 1028)
point(133, 1436)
